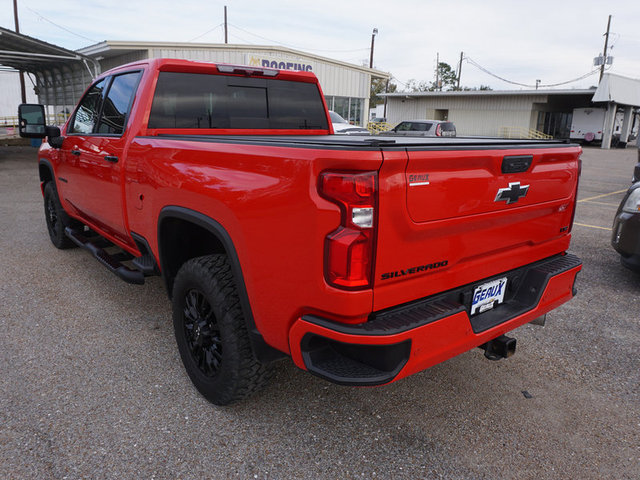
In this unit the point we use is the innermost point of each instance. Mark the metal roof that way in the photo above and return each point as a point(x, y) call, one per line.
point(618, 89)
point(22, 52)
point(111, 48)
point(488, 93)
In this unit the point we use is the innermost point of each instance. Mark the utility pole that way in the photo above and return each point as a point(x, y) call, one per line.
point(386, 90)
point(373, 38)
point(604, 53)
point(437, 70)
point(22, 87)
point(459, 71)
point(226, 31)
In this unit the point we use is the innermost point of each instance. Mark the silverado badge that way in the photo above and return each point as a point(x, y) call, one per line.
point(512, 194)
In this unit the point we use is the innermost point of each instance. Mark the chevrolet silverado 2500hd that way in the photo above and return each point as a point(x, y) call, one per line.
point(364, 259)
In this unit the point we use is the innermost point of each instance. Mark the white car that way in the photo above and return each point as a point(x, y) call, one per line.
point(342, 127)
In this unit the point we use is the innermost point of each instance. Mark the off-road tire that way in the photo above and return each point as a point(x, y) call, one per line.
point(56, 218)
point(211, 332)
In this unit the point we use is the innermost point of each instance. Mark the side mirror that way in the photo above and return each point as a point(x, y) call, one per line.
point(32, 123)
point(54, 137)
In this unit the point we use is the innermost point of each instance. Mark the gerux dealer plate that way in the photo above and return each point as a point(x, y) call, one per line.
point(488, 295)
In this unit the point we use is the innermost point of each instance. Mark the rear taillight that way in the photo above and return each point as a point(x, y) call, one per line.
point(439, 130)
point(349, 250)
point(575, 201)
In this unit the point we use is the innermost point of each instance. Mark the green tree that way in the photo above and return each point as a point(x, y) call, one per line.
point(378, 86)
point(447, 78)
point(414, 85)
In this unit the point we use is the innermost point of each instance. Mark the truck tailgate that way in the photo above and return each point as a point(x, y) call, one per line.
point(453, 217)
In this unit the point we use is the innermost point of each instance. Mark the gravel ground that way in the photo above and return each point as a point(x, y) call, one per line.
point(91, 385)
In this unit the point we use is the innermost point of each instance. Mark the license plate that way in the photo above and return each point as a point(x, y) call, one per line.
point(488, 295)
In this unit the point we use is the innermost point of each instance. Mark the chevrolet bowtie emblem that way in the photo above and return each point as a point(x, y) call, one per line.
point(512, 194)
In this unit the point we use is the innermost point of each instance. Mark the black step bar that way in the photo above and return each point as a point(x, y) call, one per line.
point(112, 262)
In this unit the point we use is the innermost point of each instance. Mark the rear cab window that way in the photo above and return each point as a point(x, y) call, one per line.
point(213, 101)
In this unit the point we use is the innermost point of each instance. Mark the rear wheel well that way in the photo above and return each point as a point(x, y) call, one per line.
point(184, 234)
point(181, 240)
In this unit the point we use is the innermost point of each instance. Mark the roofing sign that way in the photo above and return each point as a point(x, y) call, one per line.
point(279, 63)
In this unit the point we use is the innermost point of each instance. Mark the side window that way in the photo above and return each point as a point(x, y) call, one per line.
point(89, 109)
point(403, 127)
point(117, 102)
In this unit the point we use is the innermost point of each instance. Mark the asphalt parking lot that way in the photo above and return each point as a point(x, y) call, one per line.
point(91, 385)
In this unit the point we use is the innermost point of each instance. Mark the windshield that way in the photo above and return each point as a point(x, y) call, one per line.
point(335, 118)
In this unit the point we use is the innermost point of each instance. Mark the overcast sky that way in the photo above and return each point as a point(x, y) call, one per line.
point(554, 41)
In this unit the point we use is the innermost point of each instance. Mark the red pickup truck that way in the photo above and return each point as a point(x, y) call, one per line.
point(364, 259)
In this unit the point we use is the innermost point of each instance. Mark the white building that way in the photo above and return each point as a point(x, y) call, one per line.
point(494, 112)
point(10, 95)
point(346, 86)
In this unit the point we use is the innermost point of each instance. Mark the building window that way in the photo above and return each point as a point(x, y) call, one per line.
point(556, 124)
point(348, 108)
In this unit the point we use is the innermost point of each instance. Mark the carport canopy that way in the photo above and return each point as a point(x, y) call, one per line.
point(61, 75)
point(618, 92)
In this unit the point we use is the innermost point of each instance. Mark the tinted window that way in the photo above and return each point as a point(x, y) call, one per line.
point(193, 100)
point(448, 127)
point(89, 109)
point(117, 102)
point(403, 127)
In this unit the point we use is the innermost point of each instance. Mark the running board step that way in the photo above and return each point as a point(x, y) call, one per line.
point(112, 262)
point(146, 264)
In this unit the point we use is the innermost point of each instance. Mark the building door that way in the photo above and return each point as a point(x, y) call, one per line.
point(441, 115)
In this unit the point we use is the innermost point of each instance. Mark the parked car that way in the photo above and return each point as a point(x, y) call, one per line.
point(625, 235)
point(342, 127)
point(364, 261)
point(424, 128)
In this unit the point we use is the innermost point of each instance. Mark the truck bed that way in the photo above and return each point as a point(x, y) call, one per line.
point(368, 142)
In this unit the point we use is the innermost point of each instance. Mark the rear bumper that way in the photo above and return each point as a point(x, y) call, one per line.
point(398, 342)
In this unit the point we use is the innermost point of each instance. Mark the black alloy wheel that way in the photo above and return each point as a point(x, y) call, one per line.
point(202, 333)
point(56, 218)
point(211, 332)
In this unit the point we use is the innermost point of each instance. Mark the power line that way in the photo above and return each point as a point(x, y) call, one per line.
point(207, 32)
point(480, 67)
point(60, 26)
point(405, 84)
point(297, 47)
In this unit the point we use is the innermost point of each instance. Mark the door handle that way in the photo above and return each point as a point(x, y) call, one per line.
point(111, 158)
point(75, 152)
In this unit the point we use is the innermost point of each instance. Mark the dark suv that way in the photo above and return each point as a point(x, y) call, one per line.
point(423, 128)
point(625, 236)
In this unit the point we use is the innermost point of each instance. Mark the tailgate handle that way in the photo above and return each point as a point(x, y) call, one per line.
point(516, 163)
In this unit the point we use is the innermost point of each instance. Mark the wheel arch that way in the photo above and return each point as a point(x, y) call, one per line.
point(179, 227)
point(45, 170)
